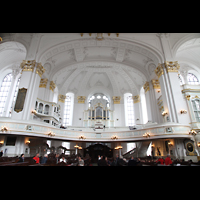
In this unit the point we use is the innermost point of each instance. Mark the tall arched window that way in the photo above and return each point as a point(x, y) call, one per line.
point(192, 79)
point(68, 111)
point(196, 108)
point(5, 87)
point(129, 111)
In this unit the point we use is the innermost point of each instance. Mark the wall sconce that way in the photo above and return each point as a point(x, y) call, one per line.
point(170, 144)
point(82, 137)
point(51, 133)
point(158, 91)
point(198, 144)
point(146, 135)
point(76, 146)
point(183, 111)
point(114, 137)
point(4, 129)
point(118, 147)
point(164, 113)
point(34, 112)
point(28, 142)
point(1, 143)
point(79, 147)
point(152, 146)
point(192, 132)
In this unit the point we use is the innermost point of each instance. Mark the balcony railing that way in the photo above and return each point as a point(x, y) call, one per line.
point(165, 130)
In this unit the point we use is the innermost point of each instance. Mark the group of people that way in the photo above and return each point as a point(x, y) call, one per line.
point(59, 159)
point(119, 161)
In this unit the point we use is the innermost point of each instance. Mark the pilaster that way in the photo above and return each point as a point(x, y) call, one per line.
point(30, 80)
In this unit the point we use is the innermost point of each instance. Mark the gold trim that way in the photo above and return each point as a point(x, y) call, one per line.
point(146, 87)
point(172, 66)
point(43, 82)
point(190, 90)
point(81, 99)
point(27, 65)
point(155, 83)
point(61, 98)
point(136, 99)
point(52, 86)
point(40, 69)
point(159, 70)
point(116, 99)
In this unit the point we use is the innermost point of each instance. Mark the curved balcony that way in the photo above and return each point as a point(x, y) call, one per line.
point(158, 131)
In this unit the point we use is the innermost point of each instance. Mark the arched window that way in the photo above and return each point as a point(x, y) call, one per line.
point(192, 79)
point(196, 108)
point(129, 111)
point(5, 87)
point(68, 111)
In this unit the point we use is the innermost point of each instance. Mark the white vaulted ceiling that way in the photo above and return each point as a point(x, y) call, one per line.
point(85, 64)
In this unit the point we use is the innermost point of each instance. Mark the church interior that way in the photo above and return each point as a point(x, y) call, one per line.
point(100, 94)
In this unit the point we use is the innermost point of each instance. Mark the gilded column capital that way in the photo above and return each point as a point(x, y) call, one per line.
point(43, 82)
point(159, 70)
point(27, 65)
point(172, 66)
point(116, 99)
point(146, 86)
point(136, 99)
point(81, 99)
point(52, 86)
point(40, 69)
point(155, 83)
point(61, 98)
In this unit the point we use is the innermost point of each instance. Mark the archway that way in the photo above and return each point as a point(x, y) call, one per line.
point(98, 149)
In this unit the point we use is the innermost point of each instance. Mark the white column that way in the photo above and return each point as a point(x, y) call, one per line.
point(30, 80)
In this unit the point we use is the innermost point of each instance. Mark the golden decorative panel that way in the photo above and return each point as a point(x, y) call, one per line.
point(159, 70)
point(61, 98)
point(136, 99)
point(52, 86)
point(81, 99)
point(146, 86)
point(172, 66)
point(43, 82)
point(155, 83)
point(116, 99)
